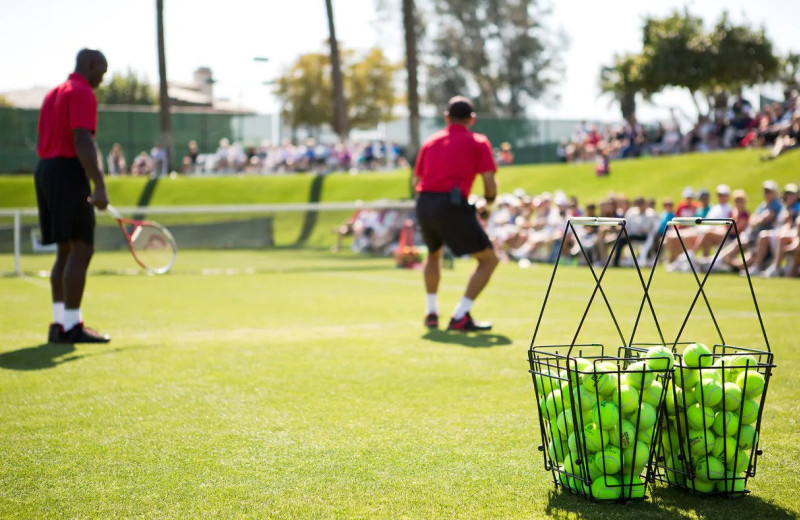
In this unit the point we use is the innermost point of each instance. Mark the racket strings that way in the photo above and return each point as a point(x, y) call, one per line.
point(153, 247)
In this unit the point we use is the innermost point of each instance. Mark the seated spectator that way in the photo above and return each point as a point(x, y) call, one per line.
point(641, 224)
point(189, 162)
point(506, 156)
point(764, 219)
point(116, 160)
point(142, 165)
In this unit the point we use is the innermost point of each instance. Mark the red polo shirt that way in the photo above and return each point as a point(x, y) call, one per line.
point(453, 157)
point(67, 107)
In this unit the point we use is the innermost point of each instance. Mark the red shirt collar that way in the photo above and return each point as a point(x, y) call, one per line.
point(76, 76)
point(457, 128)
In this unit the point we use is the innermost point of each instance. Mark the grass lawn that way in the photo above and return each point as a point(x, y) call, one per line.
point(301, 384)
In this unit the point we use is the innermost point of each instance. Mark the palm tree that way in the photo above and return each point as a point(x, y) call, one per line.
point(339, 108)
point(410, 26)
point(163, 95)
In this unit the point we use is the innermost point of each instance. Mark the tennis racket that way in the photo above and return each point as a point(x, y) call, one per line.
point(151, 244)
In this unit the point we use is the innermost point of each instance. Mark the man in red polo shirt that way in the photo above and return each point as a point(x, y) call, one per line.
point(446, 167)
point(68, 160)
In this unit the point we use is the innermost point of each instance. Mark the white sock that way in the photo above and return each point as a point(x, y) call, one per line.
point(463, 307)
point(58, 312)
point(71, 318)
point(433, 303)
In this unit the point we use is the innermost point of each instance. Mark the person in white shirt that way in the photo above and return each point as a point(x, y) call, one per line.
point(706, 237)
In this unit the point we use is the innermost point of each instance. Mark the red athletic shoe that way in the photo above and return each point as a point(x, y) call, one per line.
point(467, 324)
point(81, 334)
point(432, 320)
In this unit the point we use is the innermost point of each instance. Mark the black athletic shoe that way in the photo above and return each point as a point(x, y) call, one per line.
point(467, 324)
point(432, 320)
point(81, 334)
point(55, 333)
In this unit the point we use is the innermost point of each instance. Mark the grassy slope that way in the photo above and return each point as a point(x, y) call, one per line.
point(266, 395)
point(654, 177)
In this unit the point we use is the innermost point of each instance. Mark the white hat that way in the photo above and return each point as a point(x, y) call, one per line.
point(770, 185)
point(723, 189)
point(688, 192)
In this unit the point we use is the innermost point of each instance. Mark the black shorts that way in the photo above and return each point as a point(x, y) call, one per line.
point(62, 193)
point(456, 226)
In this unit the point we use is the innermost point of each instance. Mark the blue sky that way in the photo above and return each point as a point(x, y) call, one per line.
point(40, 38)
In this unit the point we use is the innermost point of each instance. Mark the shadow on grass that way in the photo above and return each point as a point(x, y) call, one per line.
point(46, 355)
point(475, 340)
point(663, 503)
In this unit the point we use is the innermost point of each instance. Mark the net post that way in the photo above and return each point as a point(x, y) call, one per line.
point(17, 242)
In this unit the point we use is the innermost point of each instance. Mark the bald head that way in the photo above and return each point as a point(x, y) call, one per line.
point(92, 65)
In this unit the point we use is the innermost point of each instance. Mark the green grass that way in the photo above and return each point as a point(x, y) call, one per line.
point(652, 177)
point(300, 384)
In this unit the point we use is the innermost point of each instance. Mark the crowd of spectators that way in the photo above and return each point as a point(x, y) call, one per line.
point(775, 127)
point(527, 228)
point(233, 157)
point(532, 228)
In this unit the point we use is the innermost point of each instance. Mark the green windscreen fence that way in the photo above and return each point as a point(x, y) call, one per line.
point(138, 129)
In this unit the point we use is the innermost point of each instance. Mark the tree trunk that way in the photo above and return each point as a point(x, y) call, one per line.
point(339, 108)
point(163, 95)
point(409, 24)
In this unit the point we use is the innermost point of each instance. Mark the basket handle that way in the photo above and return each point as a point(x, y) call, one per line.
point(597, 221)
point(698, 221)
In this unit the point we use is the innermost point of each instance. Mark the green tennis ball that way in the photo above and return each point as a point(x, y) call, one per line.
point(670, 440)
point(748, 437)
point(724, 449)
point(742, 462)
point(699, 417)
point(609, 461)
point(554, 404)
point(546, 381)
point(653, 393)
point(725, 423)
point(594, 437)
point(708, 392)
point(591, 466)
point(606, 414)
point(637, 375)
point(565, 423)
point(749, 413)
point(606, 488)
point(697, 355)
point(732, 399)
point(601, 379)
point(585, 398)
point(628, 398)
point(645, 417)
point(702, 486)
point(709, 468)
point(739, 364)
point(556, 450)
point(674, 399)
point(632, 486)
point(623, 437)
point(686, 377)
point(700, 442)
point(635, 457)
point(732, 483)
point(751, 383)
point(659, 358)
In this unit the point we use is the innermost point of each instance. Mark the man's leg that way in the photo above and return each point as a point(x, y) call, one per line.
point(432, 274)
point(487, 262)
point(74, 273)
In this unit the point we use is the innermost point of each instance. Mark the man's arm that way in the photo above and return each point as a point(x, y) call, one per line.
point(489, 187)
point(87, 155)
